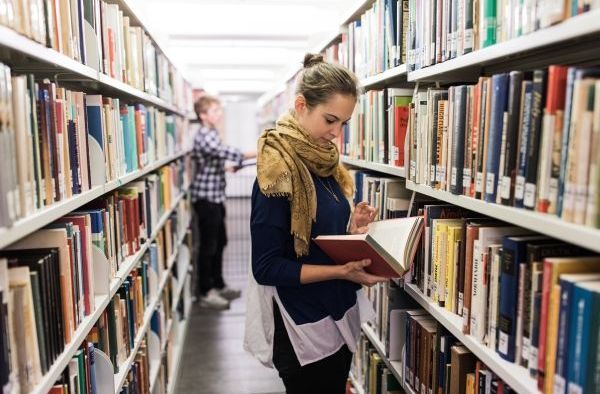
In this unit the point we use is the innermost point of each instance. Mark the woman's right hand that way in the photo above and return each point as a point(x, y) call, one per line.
point(354, 271)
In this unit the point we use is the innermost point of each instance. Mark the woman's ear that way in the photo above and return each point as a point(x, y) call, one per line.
point(300, 104)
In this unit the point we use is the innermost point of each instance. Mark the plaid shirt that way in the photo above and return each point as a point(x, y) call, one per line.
point(210, 155)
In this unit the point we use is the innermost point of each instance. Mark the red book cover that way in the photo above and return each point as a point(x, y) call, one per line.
point(400, 128)
point(390, 256)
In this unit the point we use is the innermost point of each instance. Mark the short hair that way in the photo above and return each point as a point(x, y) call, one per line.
point(203, 103)
point(320, 80)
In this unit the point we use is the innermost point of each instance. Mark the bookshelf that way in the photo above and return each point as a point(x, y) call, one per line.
point(385, 78)
point(382, 168)
point(517, 377)
point(29, 224)
point(31, 56)
point(356, 384)
point(179, 348)
point(574, 38)
point(550, 225)
point(395, 367)
point(102, 302)
point(26, 56)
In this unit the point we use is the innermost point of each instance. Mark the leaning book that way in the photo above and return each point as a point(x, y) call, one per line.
point(390, 244)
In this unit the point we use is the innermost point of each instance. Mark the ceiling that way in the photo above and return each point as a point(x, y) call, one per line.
point(239, 49)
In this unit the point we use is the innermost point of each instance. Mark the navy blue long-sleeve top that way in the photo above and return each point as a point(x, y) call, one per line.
point(274, 261)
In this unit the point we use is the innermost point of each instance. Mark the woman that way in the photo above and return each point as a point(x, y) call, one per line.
point(301, 192)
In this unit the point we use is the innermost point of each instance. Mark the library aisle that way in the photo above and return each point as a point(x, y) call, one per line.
point(213, 359)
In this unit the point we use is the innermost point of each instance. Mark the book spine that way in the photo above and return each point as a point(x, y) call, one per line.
point(512, 129)
point(498, 107)
point(524, 134)
point(457, 156)
point(508, 299)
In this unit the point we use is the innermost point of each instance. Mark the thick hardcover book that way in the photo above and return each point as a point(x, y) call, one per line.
point(499, 102)
point(458, 136)
point(524, 132)
point(533, 147)
point(390, 244)
point(513, 255)
point(507, 183)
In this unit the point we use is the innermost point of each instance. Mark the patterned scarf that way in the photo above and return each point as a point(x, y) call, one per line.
point(287, 155)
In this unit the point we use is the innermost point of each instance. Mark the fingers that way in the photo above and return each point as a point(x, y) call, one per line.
point(362, 230)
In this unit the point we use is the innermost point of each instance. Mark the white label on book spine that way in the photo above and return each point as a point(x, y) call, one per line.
point(442, 174)
point(525, 349)
point(468, 39)
point(28, 191)
point(432, 174)
point(479, 182)
point(453, 176)
point(503, 343)
point(412, 169)
point(574, 389)
point(553, 194)
point(519, 187)
point(465, 317)
point(490, 183)
point(559, 384)
point(505, 188)
point(466, 177)
point(529, 200)
point(460, 303)
point(533, 357)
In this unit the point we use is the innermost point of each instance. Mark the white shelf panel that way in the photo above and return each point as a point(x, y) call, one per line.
point(101, 302)
point(355, 11)
point(383, 78)
point(62, 64)
point(395, 367)
point(572, 28)
point(515, 376)
point(550, 225)
point(178, 357)
point(383, 168)
point(31, 223)
point(49, 379)
point(359, 388)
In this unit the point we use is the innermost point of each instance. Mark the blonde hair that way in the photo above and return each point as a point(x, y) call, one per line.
point(203, 103)
point(320, 80)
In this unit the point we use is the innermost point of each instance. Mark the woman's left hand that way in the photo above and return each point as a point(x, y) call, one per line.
point(361, 217)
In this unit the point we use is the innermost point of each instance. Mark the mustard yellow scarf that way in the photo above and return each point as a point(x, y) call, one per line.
point(287, 155)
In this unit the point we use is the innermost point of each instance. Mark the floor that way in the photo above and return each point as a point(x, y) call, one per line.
point(214, 360)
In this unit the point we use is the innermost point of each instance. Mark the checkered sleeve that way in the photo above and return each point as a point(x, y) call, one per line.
point(211, 146)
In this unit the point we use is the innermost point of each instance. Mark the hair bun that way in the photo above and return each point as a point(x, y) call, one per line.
point(311, 59)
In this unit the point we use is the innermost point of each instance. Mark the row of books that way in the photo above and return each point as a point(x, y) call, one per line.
point(98, 34)
point(73, 260)
point(57, 143)
point(371, 372)
point(377, 130)
point(376, 42)
point(523, 139)
point(511, 289)
point(440, 30)
point(427, 355)
point(111, 340)
point(388, 195)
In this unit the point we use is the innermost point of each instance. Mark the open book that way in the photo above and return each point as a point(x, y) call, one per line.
point(390, 244)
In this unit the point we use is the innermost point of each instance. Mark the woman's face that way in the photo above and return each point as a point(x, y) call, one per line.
point(325, 121)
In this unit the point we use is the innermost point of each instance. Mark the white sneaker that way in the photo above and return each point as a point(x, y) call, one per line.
point(213, 300)
point(230, 294)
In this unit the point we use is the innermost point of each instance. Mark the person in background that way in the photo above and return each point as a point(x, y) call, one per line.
point(316, 307)
point(208, 198)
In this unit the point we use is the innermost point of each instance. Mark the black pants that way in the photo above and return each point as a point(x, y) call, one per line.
point(213, 238)
point(326, 376)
